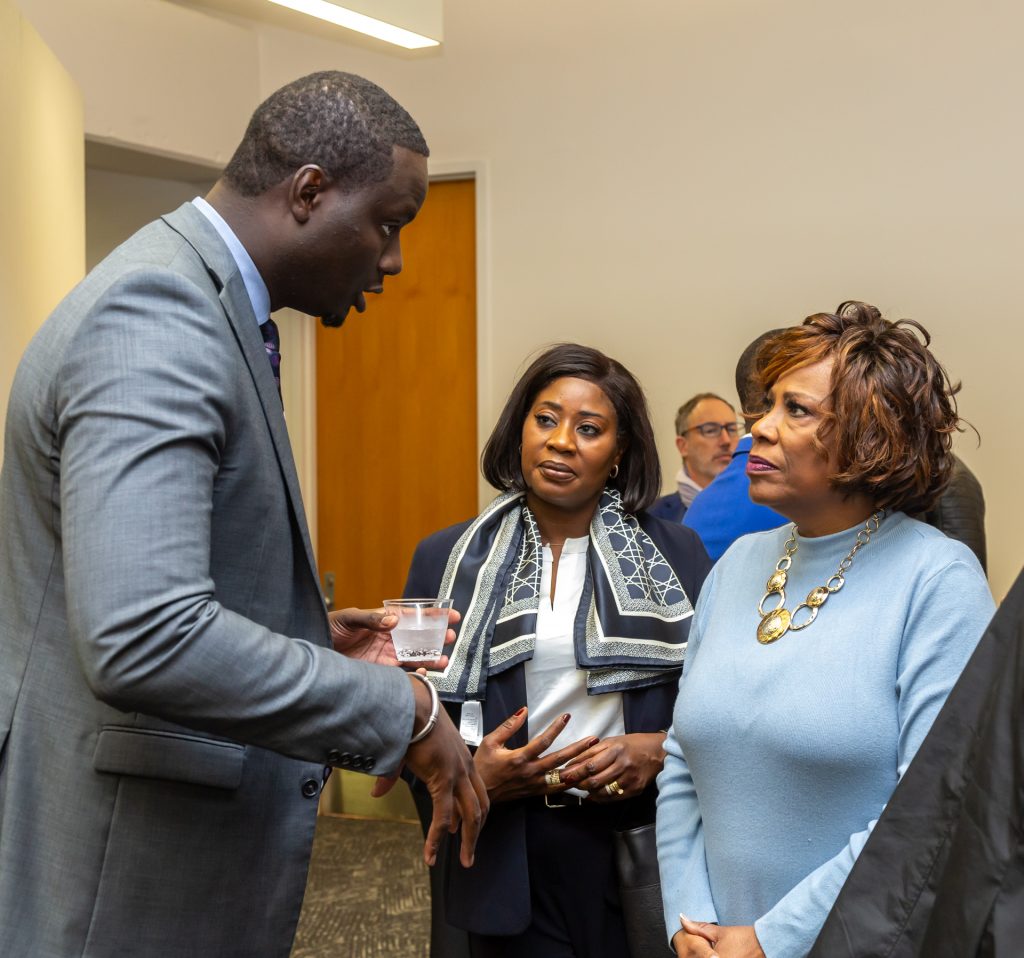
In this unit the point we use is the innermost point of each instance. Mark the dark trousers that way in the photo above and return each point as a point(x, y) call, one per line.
point(574, 892)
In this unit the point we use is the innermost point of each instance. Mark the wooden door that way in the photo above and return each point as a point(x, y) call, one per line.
point(396, 407)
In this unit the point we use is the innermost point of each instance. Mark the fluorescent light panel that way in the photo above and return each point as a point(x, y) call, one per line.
point(359, 22)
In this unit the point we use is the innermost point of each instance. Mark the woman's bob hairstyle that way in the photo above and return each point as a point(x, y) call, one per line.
point(891, 410)
point(639, 476)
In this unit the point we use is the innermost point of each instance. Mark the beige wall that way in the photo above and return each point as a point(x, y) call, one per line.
point(155, 74)
point(119, 204)
point(668, 186)
point(42, 239)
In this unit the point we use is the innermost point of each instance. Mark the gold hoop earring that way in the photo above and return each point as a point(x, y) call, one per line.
point(614, 472)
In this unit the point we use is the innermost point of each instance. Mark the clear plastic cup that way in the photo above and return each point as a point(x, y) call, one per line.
point(422, 624)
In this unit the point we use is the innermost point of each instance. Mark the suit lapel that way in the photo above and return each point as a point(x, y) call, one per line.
point(243, 321)
point(201, 235)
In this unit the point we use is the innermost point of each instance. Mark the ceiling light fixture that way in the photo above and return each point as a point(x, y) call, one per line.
point(345, 17)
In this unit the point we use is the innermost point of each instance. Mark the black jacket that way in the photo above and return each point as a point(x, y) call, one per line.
point(670, 508)
point(960, 511)
point(942, 875)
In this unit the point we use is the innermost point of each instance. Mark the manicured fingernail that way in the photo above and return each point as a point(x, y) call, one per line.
point(520, 711)
point(566, 717)
point(593, 741)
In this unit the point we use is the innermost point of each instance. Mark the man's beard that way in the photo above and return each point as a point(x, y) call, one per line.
point(333, 321)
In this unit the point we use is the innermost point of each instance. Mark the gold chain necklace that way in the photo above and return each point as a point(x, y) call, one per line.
point(775, 623)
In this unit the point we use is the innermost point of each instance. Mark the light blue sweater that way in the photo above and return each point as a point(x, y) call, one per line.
point(781, 757)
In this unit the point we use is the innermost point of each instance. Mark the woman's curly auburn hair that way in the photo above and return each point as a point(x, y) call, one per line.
point(891, 410)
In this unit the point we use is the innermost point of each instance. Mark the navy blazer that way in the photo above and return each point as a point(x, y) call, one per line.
point(670, 508)
point(493, 897)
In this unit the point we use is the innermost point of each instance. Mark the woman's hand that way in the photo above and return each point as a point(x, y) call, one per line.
point(738, 941)
point(720, 941)
point(631, 761)
point(512, 773)
point(692, 946)
point(366, 634)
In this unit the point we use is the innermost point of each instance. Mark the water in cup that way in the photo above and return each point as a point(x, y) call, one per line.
point(422, 624)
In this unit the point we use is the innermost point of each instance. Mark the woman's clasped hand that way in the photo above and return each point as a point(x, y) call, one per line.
point(701, 939)
point(610, 769)
point(621, 766)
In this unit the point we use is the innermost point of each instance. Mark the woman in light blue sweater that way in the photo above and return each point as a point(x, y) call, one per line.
point(820, 652)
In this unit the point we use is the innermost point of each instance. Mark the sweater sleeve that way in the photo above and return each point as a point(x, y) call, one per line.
point(685, 886)
point(945, 618)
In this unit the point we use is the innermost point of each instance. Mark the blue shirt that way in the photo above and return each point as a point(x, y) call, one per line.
point(722, 511)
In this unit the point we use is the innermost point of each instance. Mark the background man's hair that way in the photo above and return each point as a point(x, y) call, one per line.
point(343, 123)
point(748, 385)
point(683, 412)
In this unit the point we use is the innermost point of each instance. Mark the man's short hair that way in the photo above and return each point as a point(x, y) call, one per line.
point(683, 413)
point(748, 386)
point(341, 122)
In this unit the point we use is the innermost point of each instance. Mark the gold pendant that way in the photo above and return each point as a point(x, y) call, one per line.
point(817, 597)
point(773, 626)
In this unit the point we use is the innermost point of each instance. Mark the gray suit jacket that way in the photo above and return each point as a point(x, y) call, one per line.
point(168, 696)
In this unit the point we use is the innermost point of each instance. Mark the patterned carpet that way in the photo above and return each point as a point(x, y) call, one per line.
point(368, 893)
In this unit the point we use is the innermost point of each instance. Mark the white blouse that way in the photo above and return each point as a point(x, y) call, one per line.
point(554, 684)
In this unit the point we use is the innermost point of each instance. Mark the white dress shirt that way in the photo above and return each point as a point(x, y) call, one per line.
point(554, 685)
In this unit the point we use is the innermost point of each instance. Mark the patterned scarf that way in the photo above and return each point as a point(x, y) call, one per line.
point(633, 618)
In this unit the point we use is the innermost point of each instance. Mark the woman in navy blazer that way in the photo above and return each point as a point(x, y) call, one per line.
point(575, 607)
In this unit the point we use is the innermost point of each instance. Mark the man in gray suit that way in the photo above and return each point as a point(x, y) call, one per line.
point(170, 701)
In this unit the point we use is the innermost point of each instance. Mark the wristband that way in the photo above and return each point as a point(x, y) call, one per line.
point(435, 709)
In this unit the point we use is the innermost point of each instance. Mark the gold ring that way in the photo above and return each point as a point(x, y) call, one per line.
point(553, 778)
point(614, 788)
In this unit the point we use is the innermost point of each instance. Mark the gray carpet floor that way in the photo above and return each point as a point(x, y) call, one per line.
point(368, 894)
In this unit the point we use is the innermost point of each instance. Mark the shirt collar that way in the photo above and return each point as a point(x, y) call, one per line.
point(688, 489)
point(254, 285)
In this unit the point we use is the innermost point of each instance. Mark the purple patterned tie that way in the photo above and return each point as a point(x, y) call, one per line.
point(272, 344)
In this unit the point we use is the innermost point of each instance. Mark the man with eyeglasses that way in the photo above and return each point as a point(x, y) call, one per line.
point(706, 434)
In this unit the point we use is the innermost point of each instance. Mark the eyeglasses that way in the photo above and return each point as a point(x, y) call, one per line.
point(712, 430)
